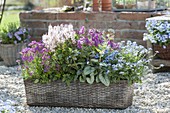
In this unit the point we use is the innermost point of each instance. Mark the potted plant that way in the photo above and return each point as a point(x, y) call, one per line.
point(82, 69)
point(13, 39)
point(158, 35)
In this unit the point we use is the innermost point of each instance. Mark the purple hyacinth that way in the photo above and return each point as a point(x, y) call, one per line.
point(82, 30)
point(113, 44)
point(46, 68)
point(79, 45)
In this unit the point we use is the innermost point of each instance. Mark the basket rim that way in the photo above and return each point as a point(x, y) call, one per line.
point(77, 82)
point(9, 45)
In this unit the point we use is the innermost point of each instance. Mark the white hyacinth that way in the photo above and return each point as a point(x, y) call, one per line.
point(58, 35)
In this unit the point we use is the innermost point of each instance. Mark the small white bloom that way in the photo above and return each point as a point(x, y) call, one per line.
point(161, 65)
point(156, 51)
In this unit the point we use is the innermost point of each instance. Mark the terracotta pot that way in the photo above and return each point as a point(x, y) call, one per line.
point(95, 5)
point(106, 5)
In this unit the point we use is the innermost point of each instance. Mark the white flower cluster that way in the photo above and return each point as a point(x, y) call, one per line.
point(58, 35)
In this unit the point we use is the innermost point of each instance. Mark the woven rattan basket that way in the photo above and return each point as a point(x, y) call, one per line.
point(10, 53)
point(77, 94)
point(164, 53)
point(0, 53)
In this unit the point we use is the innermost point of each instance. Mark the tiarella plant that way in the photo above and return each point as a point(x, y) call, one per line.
point(158, 32)
point(61, 41)
point(12, 34)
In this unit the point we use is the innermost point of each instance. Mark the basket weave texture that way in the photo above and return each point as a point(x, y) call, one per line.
point(0, 54)
point(117, 95)
point(164, 53)
point(10, 53)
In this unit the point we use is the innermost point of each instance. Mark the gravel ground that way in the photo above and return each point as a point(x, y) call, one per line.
point(152, 96)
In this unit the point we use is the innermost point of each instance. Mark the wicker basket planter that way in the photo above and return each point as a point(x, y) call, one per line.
point(0, 54)
point(164, 53)
point(10, 53)
point(77, 94)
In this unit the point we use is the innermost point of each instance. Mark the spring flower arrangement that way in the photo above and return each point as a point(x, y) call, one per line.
point(87, 55)
point(158, 32)
point(12, 34)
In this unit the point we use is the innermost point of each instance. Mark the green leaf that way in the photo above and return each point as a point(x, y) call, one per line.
point(97, 79)
point(90, 79)
point(82, 79)
point(104, 79)
point(98, 50)
point(60, 56)
point(59, 51)
point(94, 60)
point(87, 70)
point(36, 81)
point(103, 64)
point(79, 72)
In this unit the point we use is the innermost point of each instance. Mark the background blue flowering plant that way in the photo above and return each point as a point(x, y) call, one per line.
point(12, 34)
point(158, 32)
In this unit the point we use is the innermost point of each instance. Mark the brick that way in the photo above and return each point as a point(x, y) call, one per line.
point(140, 42)
point(90, 24)
point(91, 16)
point(24, 15)
point(101, 16)
point(43, 16)
point(36, 39)
point(106, 16)
point(71, 16)
point(39, 32)
point(133, 16)
point(100, 25)
point(141, 25)
point(34, 24)
point(117, 34)
point(132, 34)
point(126, 25)
point(157, 14)
point(61, 22)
